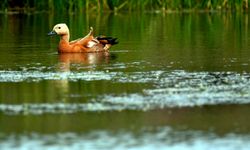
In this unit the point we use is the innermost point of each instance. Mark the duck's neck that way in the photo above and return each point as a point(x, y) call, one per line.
point(65, 37)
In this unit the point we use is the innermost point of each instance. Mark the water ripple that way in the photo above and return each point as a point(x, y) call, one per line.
point(146, 139)
point(19, 76)
point(169, 89)
point(31, 108)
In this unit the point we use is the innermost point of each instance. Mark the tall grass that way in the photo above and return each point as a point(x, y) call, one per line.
point(99, 6)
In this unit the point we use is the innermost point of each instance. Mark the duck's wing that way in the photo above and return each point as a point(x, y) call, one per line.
point(88, 41)
point(107, 40)
point(75, 41)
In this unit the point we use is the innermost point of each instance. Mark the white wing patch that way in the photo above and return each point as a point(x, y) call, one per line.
point(92, 43)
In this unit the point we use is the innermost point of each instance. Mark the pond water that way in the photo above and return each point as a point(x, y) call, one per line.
point(174, 81)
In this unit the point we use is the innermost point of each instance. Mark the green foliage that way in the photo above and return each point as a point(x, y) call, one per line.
point(99, 6)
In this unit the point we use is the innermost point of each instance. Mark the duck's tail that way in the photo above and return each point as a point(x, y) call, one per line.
point(107, 40)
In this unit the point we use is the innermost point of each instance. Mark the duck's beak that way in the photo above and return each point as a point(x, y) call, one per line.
point(52, 33)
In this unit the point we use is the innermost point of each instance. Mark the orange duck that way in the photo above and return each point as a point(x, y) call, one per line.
point(87, 44)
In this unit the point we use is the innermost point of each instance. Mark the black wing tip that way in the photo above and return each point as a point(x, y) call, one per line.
point(114, 41)
point(110, 40)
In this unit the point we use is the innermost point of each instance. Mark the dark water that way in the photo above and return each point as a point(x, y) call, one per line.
point(175, 81)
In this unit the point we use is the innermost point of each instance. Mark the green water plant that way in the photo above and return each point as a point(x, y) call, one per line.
point(100, 6)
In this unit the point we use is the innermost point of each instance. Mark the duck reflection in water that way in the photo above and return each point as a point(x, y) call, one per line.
point(83, 59)
point(78, 61)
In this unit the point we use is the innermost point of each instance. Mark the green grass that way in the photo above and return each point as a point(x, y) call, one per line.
point(99, 6)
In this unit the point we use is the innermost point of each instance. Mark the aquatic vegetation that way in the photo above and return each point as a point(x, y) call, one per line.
point(192, 81)
point(72, 6)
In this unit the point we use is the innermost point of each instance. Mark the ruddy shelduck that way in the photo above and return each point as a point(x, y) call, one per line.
point(87, 44)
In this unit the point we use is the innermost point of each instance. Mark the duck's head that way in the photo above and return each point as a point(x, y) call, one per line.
point(59, 29)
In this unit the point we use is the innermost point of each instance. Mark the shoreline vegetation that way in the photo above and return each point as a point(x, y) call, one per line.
point(101, 6)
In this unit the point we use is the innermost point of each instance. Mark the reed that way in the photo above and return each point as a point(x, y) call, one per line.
point(72, 6)
point(4, 5)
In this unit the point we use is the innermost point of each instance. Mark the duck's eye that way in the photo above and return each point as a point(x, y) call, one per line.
point(59, 27)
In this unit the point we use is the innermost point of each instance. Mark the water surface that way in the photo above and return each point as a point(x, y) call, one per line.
point(175, 81)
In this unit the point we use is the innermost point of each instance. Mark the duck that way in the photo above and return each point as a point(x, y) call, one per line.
point(87, 44)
